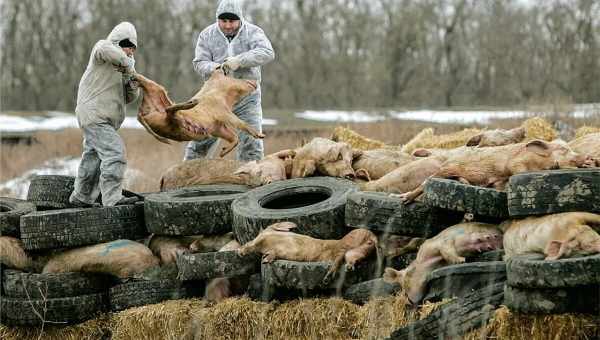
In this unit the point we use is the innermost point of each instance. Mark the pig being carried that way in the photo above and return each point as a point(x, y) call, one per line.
point(451, 246)
point(208, 113)
point(278, 242)
point(492, 166)
point(556, 236)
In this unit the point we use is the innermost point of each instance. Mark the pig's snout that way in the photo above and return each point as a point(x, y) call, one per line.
point(588, 162)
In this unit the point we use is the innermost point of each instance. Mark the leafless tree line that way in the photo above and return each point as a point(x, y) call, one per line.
point(330, 53)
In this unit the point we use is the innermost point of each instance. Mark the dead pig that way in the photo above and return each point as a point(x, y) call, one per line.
point(199, 172)
point(374, 164)
point(556, 236)
point(121, 258)
point(497, 137)
point(492, 166)
point(220, 288)
point(325, 157)
point(208, 113)
point(272, 168)
point(451, 246)
point(12, 254)
point(588, 145)
point(278, 242)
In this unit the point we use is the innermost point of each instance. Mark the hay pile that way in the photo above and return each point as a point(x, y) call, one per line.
point(355, 140)
point(586, 130)
point(512, 326)
point(539, 128)
point(98, 328)
point(427, 139)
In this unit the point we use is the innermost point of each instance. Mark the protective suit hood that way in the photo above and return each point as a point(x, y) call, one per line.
point(230, 6)
point(124, 30)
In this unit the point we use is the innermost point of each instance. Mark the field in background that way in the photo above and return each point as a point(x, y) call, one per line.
point(152, 158)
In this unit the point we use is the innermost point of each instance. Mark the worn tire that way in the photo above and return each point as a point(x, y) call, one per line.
point(549, 192)
point(455, 318)
point(49, 192)
point(200, 210)
point(462, 279)
point(315, 204)
point(453, 195)
point(380, 212)
point(582, 299)
point(309, 275)
point(216, 264)
point(79, 227)
point(361, 292)
point(532, 271)
point(68, 310)
point(18, 284)
point(11, 210)
point(141, 292)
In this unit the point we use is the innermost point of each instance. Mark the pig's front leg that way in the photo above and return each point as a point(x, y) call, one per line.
point(229, 136)
point(334, 268)
point(410, 196)
point(450, 254)
point(250, 247)
point(268, 258)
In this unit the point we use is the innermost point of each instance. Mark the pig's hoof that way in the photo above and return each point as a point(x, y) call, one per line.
point(349, 267)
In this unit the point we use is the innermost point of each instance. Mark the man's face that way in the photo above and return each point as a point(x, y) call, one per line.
point(129, 51)
point(229, 27)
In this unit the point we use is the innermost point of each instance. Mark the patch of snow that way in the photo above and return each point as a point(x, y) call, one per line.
point(465, 117)
point(18, 187)
point(340, 116)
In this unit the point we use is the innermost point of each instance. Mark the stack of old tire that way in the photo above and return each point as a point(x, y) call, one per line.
point(477, 284)
point(569, 285)
point(46, 223)
point(199, 210)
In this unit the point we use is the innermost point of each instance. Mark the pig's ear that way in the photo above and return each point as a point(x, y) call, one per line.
point(310, 167)
point(421, 153)
point(475, 140)
point(554, 250)
point(539, 147)
point(392, 275)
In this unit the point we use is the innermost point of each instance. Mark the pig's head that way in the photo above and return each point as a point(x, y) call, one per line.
point(337, 162)
point(272, 168)
point(303, 167)
point(235, 89)
point(557, 155)
point(155, 99)
point(586, 242)
point(413, 279)
point(359, 244)
point(497, 137)
point(218, 289)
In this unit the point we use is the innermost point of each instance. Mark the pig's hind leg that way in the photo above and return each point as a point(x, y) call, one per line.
point(229, 136)
point(234, 121)
point(450, 254)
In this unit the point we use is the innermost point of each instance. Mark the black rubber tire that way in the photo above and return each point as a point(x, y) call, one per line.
point(286, 201)
point(79, 227)
point(582, 299)
point(309, 275)
point(455, 318)
point(11, 210)
point(141, 292)
point(532, 271)
point(361, 292)
point(453, 195)
point(462, 279)
point(18, 284)
point(200, 210)
point(50, 192)
point(69, 310)
point(549, 192)
point(216, 264)
point(380, 212)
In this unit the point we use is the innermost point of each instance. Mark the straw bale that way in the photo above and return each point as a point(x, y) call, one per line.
point(539, 128)
point(586, 130)
point(355, 140)
point(95, 329)
point(427, 139)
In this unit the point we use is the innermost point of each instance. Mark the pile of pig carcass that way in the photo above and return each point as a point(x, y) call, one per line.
point(488, 161)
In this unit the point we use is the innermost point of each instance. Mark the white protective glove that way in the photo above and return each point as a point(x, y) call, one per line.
point(231, 64)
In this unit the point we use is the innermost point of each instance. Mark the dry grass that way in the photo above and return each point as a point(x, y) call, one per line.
point(98, 328)
point(586, 130)
point(512, 326)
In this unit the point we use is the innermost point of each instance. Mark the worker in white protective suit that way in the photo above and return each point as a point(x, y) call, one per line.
point(241, 48)
point(105, 87)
